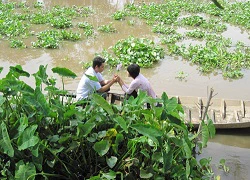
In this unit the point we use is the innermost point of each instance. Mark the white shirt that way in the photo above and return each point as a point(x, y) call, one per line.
point(140, 82)
point(89, 83)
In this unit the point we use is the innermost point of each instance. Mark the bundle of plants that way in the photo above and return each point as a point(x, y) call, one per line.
point(43, 135)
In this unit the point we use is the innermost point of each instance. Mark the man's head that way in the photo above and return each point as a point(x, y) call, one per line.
point(98, 64)
point(133, 70)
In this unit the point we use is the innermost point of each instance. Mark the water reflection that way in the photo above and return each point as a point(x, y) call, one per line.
point(118, 4)
point(237, 159)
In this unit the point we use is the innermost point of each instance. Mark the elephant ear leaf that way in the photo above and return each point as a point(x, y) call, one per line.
point(64, 72)
point(18, 71)
point(5, 142)
point(1, 69)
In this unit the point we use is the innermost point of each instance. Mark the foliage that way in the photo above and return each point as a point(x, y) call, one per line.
point(216, 55)
point(107, 28)
point(181, 75)
point(52, 38)
point(134, 50)
point(204, 20)
point(16, 43)
point(45, 135)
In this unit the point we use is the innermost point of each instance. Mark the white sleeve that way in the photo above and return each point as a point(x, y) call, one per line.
point(99, 77)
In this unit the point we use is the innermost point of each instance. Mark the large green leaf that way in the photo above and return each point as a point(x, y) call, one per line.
point(103, 103)
point(1, 69)
point(18, 71)
point(25, 171)
point(171, 104)
point(102, 147)
point(5, 143)
point(2, 100)
point(27, 138)
point(205, 134)
point(41, 75)
point(186, 149)
point(121, 123)
point(211, 128)
point(39, 101)
point(64, 72)
point(85, 129)
point(148, 130)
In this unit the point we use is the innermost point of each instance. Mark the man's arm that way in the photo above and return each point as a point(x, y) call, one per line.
point(105, 82)
point(108, 85)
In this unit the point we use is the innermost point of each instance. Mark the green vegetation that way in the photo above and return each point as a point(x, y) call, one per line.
point(134, 50)
point(203, 22)
point(207, 21)
point(107, 28)
point(45, 136)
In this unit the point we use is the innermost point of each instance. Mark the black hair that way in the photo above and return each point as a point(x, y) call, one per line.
point(98, 61)
point(133, 70)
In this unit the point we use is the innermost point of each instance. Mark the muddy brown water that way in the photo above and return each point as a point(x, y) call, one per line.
point(234, 146)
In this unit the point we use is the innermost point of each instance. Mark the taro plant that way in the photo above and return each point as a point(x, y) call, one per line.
point(41, 137)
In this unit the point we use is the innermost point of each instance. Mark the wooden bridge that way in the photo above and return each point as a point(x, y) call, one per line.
point(225, 113)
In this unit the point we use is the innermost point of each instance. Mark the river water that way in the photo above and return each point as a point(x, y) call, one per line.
point(234, 146)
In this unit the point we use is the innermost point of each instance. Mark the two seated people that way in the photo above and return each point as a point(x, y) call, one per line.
point(93, 81)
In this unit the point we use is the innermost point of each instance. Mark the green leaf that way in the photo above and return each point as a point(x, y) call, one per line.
point(148, 130)
point(85, 129)
point(111, 161)
point(92, 78)
point(41, 75)
point(119, 120)
point(110, 175)
point(186, 149)
point(103, 103)
point(5, 143)
point(25, 171)
point(64, 72)
point(145, 175)
point(167, 158)
point(2, 100)
point(205, 134)
point(39, 101)
point(102, 147)
point(171, 104)
point(211, 128)
point(187, 169)
point(27, 138)
point(1, 69)
point(18, 71)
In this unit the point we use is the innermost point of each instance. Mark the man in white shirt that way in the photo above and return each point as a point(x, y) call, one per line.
point(92, 80)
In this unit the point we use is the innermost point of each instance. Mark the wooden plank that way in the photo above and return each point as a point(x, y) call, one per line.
point(237, 118)
point(213, 116)
point(223, 109)
point(200, 106)
point(243, 110)
point(189, 115)
point(178, 99)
